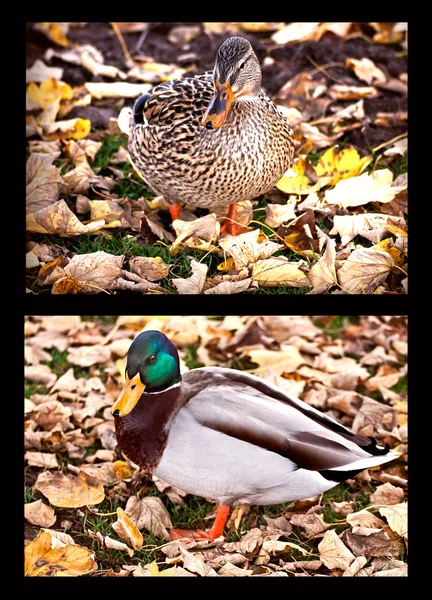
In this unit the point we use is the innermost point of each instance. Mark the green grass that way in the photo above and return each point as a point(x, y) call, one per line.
point(336, 325)
point(34, 388)
point(110, 145)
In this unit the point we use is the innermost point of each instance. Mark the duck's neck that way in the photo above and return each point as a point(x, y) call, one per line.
point(143, 433)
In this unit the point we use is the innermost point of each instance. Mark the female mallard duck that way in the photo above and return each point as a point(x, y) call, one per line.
point(214, 139)
point(230, 436)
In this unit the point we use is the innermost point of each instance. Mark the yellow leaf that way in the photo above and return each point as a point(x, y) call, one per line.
point(68, 491)
point(127, 530)
point(297, 184)
point(278, 271)
point(56, 32)
point(122, 469)
point(48, 92)
point(154, 570)
point(43, 561)
point(341, 165)
point(226, 265)
point(388, 246)
point(396, 230)
point(364, 270)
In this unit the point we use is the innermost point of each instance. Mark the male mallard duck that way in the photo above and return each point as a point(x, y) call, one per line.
point(230, 436)
point(214, 139)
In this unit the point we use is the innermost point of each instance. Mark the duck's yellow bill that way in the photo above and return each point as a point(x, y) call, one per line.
point(129, 397)
point(219, 106)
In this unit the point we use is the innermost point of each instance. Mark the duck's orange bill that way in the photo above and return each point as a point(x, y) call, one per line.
point(129, 397)
point(219, 106)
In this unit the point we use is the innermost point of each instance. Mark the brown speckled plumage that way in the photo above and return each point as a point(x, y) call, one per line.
point(185, 162)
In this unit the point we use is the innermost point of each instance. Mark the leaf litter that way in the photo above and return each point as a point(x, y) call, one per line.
point(339, 188)
point(74, 470)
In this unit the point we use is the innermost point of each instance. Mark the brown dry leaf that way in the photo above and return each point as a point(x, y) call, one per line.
point(333, 552)
point(41, 459)
point(38, 513)
point(116, 545)
point(276, 214)
point(397, 518)
point(195, 564)
point(372, 226)
point(386, 377)
point(40, 374)
point(231, 570)
point(127, 530)
point(58, 218)
point(372, 417)
point(296, 32)
point(198, 233)
point(231, 287)
point(301, 235)
point(149, 513)
point(364, 518)
point(387, 494)
point(152, 269)
point(246, 250)
point(322, 275)
point(313, 523)
point(369, 187)
point(364, 270)
point(249, 542)
point(43, 181)
point(366, 70)
point(43, 560)
point(195, 283)
point(68, 491)
point(370, 542)
point(34, 355)
point(285, 360)
point(86, 356)
point(275, 546)
point(90, 273)
point(355, 566)
point(279, 271)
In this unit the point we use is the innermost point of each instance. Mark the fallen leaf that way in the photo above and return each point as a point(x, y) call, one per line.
point(47, 92)
point(355, 566)
point(198, 233)
point(231, 287)
point(127, 530)
point(231, 570)
point(116, 545)
point(119, 89)
point(40, 374)
point(387, 494)
point(90, 273)
point(149, 513)
point(41, 459)
point(276, 546)
point(333, 552)
point(364, 270)
point(341, 164)
point(193, 563)
point(86, 356)
point(68, 491)
point(42, 560)
point(322, 275)
point(276, 214)
point(397, 518)
point(39, 72)
point(370, 542)
point(366, 70)
point(372, 226)
point(312, 523)
point(56, 32)
point(285, 360)
point(369, 187)
point(64, 130)
point(296, 32)
point(59, 219)
point(246, 250)
point(40, 514)
point(43, 181)
point(279, 271)
point(364, 518)
point(249, 542)
point(195, 283)
point(153, 269)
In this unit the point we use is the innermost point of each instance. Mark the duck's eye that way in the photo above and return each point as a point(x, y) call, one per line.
point(152, 359)
point(241, 65)
point(133, 386)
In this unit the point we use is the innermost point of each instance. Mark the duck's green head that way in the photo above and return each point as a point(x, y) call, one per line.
point(152, 365)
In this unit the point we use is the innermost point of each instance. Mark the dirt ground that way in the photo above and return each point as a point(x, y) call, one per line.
point(287, 61)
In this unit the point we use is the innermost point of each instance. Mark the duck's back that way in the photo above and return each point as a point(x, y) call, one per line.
point(185, 162)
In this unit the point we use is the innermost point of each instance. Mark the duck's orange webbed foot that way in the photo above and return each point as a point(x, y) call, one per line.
point(230, 226)
point(199, 535)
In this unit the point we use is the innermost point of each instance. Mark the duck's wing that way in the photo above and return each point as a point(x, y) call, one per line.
point(245, 407)
point(175, 102)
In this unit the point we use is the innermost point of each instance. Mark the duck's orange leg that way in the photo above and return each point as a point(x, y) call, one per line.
point(229, 225)
point(175, 211)
point(216, 530)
